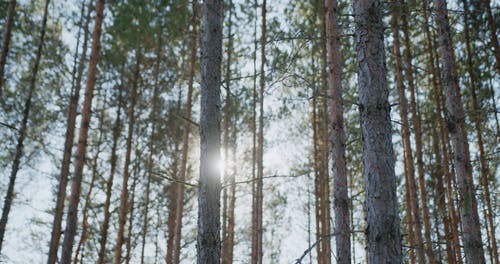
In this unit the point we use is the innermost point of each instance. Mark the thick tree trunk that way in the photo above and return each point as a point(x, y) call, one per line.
point(172, 198)
point(383, 231)
point(122, 218)
point(130, 209)
point(477, 123)
point(23, 130)
point(455, 118)
point(341, 198)
point(68, 143)
point(9, 21)
point(109, 184)
point(76, 186)
point(208, 240)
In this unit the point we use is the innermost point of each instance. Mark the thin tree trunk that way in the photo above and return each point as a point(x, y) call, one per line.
point(455, 119)
point(76, 186)
point(228, 213)
point(23, 130)
point(152, 140)
point(405, 131)
point(383, 230)
point(69, 138)
point(341, 198)
point(179, 208)
point(257, 251)
point(324, 147)
point(9, 21)
point(172, 195)
point(254, 136)
point(130, 209)
point(477, 123)
point(453, 236)
point(122, 218)
point(494, 36)
point(208, 239)
point(86, 207)
point(109, 184)
point(418, 142)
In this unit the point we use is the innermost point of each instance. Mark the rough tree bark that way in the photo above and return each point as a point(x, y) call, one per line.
point(23, 130)
point(455, 118)
point(383, 230)
point(208, 239)
point(76, 186)
point(341, 198)
point(494, 36)
point(68, 143)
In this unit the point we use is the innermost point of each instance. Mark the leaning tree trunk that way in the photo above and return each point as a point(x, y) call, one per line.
point(76, 186)
point(9, 21)
point(341, 198)
point(455, 118)
point(383, 231)
point(122, 218)
point(68, 143)
point(23, 130)
point(208, 239)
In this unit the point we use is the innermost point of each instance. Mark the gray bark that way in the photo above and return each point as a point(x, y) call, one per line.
point(455, 120)
point(208, 239)
point(383, 231)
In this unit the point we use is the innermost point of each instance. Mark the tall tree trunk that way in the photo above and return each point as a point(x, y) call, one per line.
point(455, 118)
point(418, 141)
point(9, 21)
point(122, 218)
point(254, 135)
point(412, 203)
point(341, 198)
point(130, 209)
point(228, 231)
point(383, 231)
point(172, 195)
point(477, 123)
point(68, 141)
point(86, 207)
point(208, 239)
point(152, 139)
point(23, 130)
point(76, 186)
point(453, 236)
point(179, 207)
point(109, 184)
point(257, 251)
